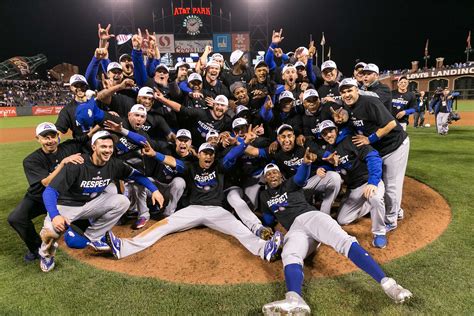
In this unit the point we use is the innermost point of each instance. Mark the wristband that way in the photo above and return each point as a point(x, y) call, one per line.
point(124, 131)
point(160, 157)
point(373, 138)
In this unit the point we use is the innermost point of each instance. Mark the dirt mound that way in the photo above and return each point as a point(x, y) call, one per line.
point(203, 256)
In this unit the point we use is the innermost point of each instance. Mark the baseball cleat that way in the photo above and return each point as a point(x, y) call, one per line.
point(395, 291)
point(390, 227)
point(379, 241)
point(46, 264)
point(140, 223)
point(99, 245)
point(401, 214)
point(114, 243)
point(293, 304)
point(31, 256)
point(264, 233)
point(273, 247)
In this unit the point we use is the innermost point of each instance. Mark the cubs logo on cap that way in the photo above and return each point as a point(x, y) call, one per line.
point(310, 93)
point(284, 127)
point(326, 124)
point(162, 66)
point(77, 78)
point(286, 95)
point(145, 92)
point(211, 133)
point(44, 128)
point(206, 146)
point(270, 166)
point(138, 108)
point(114, 65)
point(328, 64)
point(221, 99)
point(371, 68)
point(194, 77)
point(235, 56)
point(239, 122)
point(183, 133)
point(347, 82)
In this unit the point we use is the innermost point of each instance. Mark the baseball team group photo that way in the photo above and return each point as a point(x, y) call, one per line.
point(236, 157)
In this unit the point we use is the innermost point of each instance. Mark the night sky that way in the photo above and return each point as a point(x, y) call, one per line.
point(388, 33)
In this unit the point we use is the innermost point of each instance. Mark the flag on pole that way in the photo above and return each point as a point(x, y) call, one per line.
point(123, 38)
point(323, 40)
point(469, 40)
point(329, 53)
point(426, 47)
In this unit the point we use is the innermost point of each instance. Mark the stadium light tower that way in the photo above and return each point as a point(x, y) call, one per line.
point(258, 24)
point(123, 22)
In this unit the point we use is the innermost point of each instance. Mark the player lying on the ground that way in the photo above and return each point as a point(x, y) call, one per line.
point(361, 169)
point(205, 181)
point(306, 226)
point(87, 192)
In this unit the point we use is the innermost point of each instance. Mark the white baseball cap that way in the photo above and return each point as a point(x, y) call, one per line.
point(347, 82)
point(372, 68)
point(194, 76)
point(302, 50)
point(270, 166)
point(77, 78)
point(206, 146)
point(240, 108)
point(260, 63)
point(310, 93)
point(211, 133)
point(240, 121)
point(100, 134)
point(145, 92)
point(328, 64)
point(213, 63)
point(162, 66)
point(125, 56)
point(183, 133)
point(300, 64)
point(221, 99)
point(284, 127)
point(217, 56)
point(114, 65)
point(90, 94)
point(181, 64)
point(235, 56)
point(287, 67)
point(45, 127)
point(360, 64)
point(326, 124)
point(138, 108)
point(286, 95)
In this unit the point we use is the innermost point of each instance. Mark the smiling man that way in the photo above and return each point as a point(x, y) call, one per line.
point(87, 191)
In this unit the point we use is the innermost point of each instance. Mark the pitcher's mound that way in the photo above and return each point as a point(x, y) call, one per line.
point(204, 256)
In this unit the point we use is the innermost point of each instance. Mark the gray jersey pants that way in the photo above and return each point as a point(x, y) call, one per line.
point(355, 206)
point(214, 217)
point(172, 192)
point(329, 186)
point(442, 125)
point(310, 228)
point(394, 167)
point(246, 215)
point(137, 195)
point(103, 212)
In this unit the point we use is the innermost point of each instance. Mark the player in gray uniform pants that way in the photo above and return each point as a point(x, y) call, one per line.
point(376, 126)
point(285, 201)
point(205, 180)
point(84, 192)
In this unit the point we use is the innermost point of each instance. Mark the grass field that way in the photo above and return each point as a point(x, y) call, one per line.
point(440, 275)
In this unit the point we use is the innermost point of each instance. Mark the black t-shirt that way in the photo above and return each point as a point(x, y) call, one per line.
point(402, 102)
point(352, 165)
point(79, 184)
point(203, 122)
point(38, 165)
point(285, 202)
point(67, 120)
point(228, 78)
point(287, 161)
point(383, 91)
point(367, 115)
point(205, 186)
point(165, 173)
point(213, 91)
point(329, 90)
point(121, 104)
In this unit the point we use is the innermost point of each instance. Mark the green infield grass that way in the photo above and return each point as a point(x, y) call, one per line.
point(439, 275)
